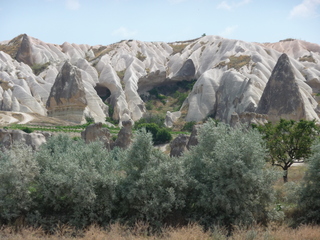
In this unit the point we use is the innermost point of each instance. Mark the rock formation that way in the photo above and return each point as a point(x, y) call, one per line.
point(7, 137)
point(67, 99)
point(24, 53)
point(125, 134)
point(193, 140)
point(95, 132)
point(282, 97)
point(231, 76)
point(179, 145)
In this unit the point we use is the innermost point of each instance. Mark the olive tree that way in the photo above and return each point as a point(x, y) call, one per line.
point(154, 186)
point(231, 183)
point(18, 170)
point(310, 195)
point(77, 182)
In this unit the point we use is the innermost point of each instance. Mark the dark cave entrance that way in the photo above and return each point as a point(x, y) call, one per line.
point(103, 92)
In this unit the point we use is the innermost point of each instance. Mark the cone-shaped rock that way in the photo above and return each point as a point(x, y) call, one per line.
point(24, 53)
point(67, 98)
point(281, 97)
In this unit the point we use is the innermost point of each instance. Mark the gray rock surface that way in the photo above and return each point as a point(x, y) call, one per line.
point(95, 132)
point(231, 74)
point(281, 97)
point(193, 140)
point(124, 138)
point(67, 99)
point(34, 139)
point(179, 145)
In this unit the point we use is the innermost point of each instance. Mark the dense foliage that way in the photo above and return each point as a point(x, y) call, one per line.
point(310, 195)
point(223, 180)
point(289, 140)
point(230, 181)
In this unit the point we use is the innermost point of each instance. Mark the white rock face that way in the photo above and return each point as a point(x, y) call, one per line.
point(231, 75)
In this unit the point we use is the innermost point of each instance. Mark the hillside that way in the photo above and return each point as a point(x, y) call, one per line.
point(227, 78)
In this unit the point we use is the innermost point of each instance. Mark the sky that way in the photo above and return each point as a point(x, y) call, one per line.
point(104, 22)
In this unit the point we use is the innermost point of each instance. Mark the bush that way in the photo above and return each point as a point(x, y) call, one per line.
point(188, 126)
point(27, 129)
point(159, 135)
point(155, 184)
point(230, 181)
point(310, 194)
point(18, 170)
point(77, 182)
point(150, 118)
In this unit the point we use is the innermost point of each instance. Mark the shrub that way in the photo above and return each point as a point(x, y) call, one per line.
point(159, 135)
point(18, 170)
point(230, 181)
point(77, 182)
point(27, 129)
point(310, 195)
point(188, 126)
point(155, 184)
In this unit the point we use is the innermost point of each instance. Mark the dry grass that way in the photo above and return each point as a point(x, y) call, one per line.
point(191, 232)
point(12, 47)
point(178, 47)
point(307, 59)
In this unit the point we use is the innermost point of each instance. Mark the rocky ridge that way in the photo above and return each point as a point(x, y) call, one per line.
point(231, 76)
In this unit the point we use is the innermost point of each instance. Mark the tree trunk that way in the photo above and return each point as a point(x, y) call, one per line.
point(285, 175)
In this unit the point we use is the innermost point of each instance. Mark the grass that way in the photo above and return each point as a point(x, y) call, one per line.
point(307, 59)
point(235, 62)
point(12, 47)
point(178, 47)
point(140, 231)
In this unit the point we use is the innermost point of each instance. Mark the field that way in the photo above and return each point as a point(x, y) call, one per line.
point(191, 232)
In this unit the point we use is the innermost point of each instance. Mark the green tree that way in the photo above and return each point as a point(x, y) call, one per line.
point(288, 141)
point(18, 170)
point(155, 184)
point(230, 182)
point(309, 201)
point(76, 184)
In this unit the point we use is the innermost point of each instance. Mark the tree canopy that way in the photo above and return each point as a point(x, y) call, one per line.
point(288, 141)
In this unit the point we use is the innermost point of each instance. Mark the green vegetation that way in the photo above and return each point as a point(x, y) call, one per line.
point(223, 181)
point(178, 47)
point(188, 126)
point(140, 56)
point(12, 47)
point(307, 59)
point(288, 141)
point(309, 195)
point(38, 68)
point(236, 62)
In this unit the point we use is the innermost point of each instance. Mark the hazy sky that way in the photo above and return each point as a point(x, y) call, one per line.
point(109, 21)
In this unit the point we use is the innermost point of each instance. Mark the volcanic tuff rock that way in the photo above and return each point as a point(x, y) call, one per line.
point(7, 137)
point(179, 145)
point(231, 76)
point(67, 97)
point(95, 132)
point(282, 97)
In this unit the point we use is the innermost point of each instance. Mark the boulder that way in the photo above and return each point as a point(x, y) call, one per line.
point(7, 137)
point(67, 99)
point(171, 118)
point(247, 118)
point(125, 134)
point(193, 140)
point(95, 132)
point(179, 145)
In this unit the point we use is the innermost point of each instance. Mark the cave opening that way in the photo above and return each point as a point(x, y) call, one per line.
point(103, 92)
